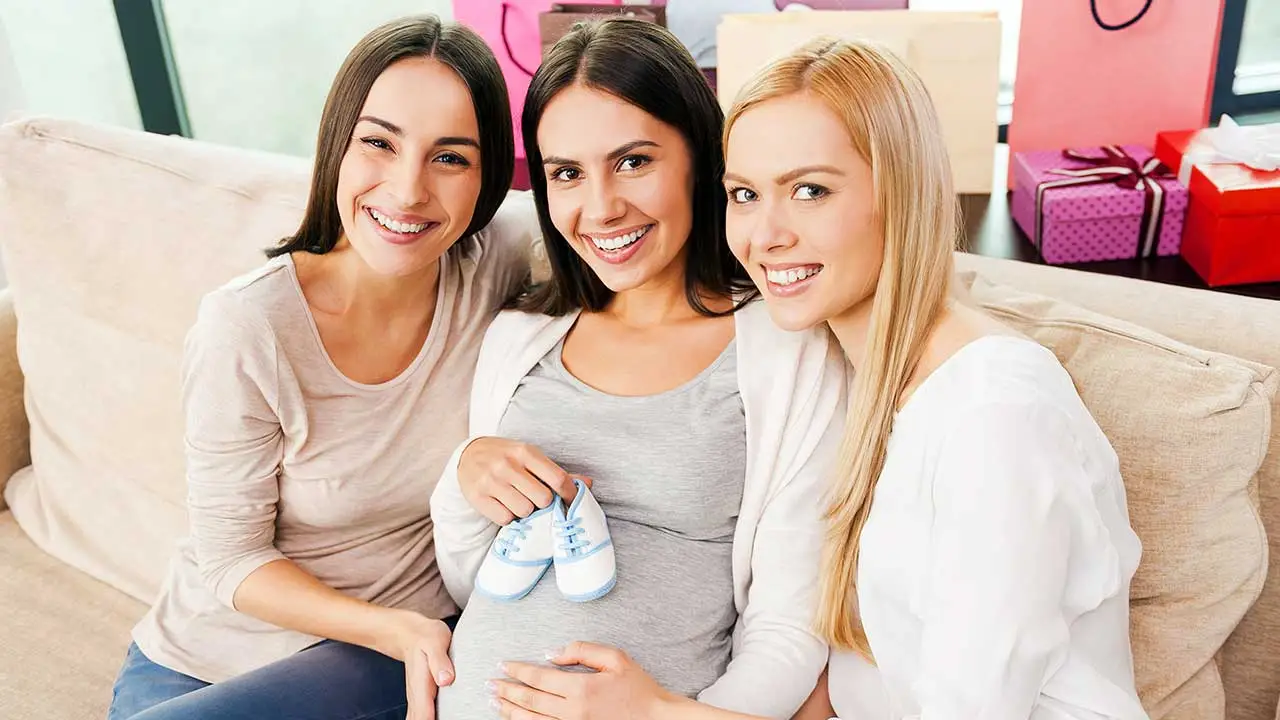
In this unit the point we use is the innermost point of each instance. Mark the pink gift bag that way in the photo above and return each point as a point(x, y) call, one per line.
point(510, 27)
point(1095, 72)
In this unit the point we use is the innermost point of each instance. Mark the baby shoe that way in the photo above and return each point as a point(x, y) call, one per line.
point(584, 559)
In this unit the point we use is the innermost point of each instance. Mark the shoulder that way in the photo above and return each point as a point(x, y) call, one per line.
point(240, 314)
point(1004, 410)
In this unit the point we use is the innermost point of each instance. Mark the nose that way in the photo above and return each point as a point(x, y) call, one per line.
point(773, 232)
point(409, 182)
point(603, 204)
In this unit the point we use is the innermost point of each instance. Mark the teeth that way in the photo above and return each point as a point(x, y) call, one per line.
point(617, 243)
point(787, 277)
point(396, 225)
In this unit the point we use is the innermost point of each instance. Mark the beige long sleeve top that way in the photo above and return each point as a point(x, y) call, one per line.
point(288, 458)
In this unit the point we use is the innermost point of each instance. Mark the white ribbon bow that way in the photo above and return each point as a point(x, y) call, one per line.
point(1257, 146)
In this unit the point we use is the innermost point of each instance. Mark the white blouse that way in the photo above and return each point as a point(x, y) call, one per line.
point(993, 579)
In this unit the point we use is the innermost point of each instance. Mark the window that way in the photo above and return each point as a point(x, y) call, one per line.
point(64, 58)
point(1248, 76)
point(255, 74)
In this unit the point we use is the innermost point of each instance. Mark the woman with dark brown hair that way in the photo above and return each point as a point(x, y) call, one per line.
point(324, 392)
point(645, 363)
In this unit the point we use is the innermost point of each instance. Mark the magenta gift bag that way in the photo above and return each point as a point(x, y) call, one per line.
point(510, 27)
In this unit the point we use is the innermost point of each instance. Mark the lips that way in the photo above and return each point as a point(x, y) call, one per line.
point(399, 231)
point(617, 248)
point(790, 280)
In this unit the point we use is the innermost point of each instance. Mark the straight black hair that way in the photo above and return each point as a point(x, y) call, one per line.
point(459, 48)
point(645, 65)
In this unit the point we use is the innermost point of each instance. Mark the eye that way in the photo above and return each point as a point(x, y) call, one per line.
point(566, 174)
point(376, 142)
point(453, 159)
point(742, 196)
point(634, 162)
point(809, 191)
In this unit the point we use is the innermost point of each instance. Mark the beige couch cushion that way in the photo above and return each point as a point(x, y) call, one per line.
point(1241, 326)
point(64, 634)
point(110, 238)
point(1191, 429)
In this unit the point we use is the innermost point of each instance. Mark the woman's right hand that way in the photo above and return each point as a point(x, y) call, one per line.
point(505, 479)
point(422, 644)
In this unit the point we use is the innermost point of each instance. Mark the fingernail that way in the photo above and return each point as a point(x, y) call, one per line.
point(494, 704)
point(502, 668)
point(552, 654)
point(491, 687)
point(444, 677)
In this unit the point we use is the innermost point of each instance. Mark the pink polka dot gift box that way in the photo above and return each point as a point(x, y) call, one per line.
point(1106, 203)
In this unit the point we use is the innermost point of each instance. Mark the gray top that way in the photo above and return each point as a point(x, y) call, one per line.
point(668, 470)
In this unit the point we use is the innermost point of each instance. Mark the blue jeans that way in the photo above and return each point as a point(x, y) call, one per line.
point(327, 681)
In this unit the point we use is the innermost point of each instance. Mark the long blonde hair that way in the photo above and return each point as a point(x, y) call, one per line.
point(892, 125)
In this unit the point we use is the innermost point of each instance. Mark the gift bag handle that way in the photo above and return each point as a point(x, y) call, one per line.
point(1093, 7)
point(506, 44)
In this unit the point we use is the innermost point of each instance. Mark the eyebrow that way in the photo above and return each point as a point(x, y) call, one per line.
point(790, 175)
point(395, 130)
point(615, 154)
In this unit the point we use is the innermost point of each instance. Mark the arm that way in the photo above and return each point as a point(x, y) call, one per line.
point(1014, 518)
point(777, 655)
point(234, 450)
point(462, 533)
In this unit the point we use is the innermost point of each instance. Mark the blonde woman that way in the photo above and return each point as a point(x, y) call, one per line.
point(980, 553)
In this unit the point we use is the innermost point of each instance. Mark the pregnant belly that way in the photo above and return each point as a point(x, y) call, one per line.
point(671, 610)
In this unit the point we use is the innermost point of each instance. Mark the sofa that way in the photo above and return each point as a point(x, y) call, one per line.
point(111, 236)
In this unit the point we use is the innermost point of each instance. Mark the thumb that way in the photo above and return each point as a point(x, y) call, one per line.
point(596, 657)
point(439, 665)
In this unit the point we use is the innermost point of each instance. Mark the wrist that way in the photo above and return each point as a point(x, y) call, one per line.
point(669, 706)
point(387, 631)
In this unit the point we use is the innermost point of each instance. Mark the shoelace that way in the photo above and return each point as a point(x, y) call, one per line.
point(515, 531)
point(573, 535)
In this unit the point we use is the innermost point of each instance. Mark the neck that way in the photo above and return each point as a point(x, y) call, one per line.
point(362, 292)
point(850, 329)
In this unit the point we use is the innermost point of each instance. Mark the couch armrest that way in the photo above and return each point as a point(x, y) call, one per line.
point(15, 436)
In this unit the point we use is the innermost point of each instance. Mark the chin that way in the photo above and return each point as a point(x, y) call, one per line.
point(792, 317)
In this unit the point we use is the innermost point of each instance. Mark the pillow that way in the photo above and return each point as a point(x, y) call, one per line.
point(110, 238)
point(1191, 429)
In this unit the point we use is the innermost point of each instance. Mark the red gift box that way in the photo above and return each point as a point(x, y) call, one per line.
point(1232, 234)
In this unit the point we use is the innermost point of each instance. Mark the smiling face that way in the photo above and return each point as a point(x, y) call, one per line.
point(619, 186)
point(410, 178)
point(802, 211)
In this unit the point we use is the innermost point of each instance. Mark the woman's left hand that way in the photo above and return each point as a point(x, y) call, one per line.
point(619, 689)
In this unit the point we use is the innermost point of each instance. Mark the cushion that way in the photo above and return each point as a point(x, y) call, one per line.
point(64, 635)
point(1191, 429)
point(1224, 322)
point(110, 238)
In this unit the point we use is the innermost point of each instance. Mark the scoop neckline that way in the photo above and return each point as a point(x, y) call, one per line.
point(430, 348)
point(557, 354)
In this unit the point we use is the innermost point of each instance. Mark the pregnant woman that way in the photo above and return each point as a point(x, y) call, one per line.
point(646, 364)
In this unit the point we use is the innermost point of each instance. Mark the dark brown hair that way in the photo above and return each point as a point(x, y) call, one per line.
point(457, 47)
point(645, 65)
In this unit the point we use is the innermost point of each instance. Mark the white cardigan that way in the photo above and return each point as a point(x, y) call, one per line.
point(793, 395)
